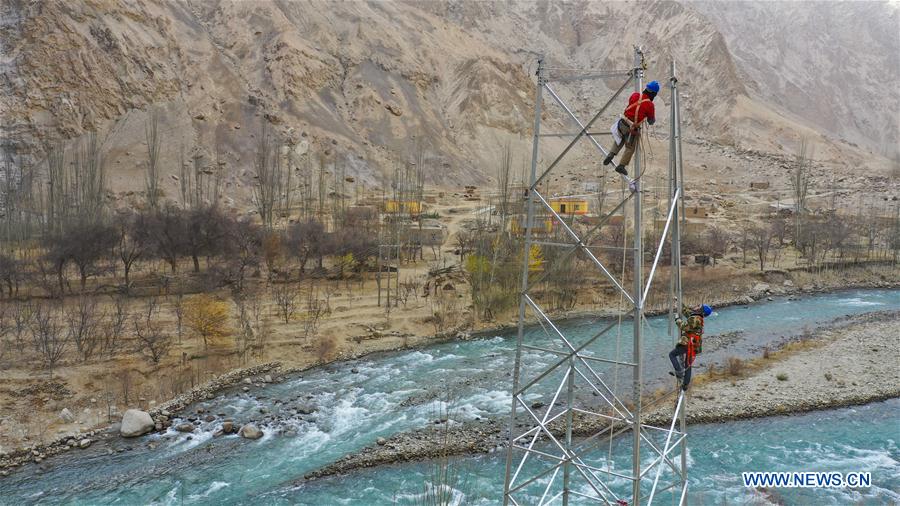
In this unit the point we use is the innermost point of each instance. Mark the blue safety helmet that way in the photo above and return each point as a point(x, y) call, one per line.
point(706, 310)
point(653, 86)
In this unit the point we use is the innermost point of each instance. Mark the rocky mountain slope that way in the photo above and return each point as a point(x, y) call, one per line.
point(365, 84)
point(834, 64)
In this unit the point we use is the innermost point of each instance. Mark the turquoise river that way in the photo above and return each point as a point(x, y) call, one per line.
point(316, 417)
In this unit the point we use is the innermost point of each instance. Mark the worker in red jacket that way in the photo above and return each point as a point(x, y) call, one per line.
point(628, 127)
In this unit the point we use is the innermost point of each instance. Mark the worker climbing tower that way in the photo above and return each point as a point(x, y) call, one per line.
point(576, 432)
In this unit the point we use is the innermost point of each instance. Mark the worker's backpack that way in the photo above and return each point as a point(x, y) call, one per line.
point(695, 324)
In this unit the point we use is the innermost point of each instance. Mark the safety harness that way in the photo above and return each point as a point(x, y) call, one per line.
point(634, 126)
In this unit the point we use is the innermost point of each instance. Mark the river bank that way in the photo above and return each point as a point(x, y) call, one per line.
point(851, 361)
point(227, 385)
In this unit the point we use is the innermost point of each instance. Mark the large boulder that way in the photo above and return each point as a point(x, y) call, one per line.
point(136, 423)
point(66, 416)
point(250, 431)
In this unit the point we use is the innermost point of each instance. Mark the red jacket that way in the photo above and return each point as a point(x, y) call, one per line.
point(644, 111)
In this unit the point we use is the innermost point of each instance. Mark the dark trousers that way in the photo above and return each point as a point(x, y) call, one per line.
point(678, 356)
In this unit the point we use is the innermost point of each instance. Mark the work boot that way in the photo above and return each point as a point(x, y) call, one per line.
point(608, 159)
point(684, 387)
point(621, 170)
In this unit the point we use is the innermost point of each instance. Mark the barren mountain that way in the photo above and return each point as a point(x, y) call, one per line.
point(366, 83)
point(834, 64)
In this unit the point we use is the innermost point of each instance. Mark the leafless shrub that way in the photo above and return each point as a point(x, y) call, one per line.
point(734, 366)
point(445, 310)
point(326, 347)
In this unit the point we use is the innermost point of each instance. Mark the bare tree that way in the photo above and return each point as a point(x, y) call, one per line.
point(206, 229)
point(151, 181)
point(838, 232)
point(285, 298)
point(245, 334)
point(893, 235)
point(132, 242)
point(48, 339)
point(178, 309)
point(83, 326)
point(56, 203)
point(718, 240)
point(22, 314)
point(761, 241)
point(6, 345)
point(800, 184)
point(167, 230)
point(87, 244)
point(503, 199)
point(89, 179)
point(315, 309)
point(10, 274)
point(304, 241)
point(19, 197)
point(464, 244)
point(115, 327)
point(152, 341)
point(243, 246)
point(272, 190)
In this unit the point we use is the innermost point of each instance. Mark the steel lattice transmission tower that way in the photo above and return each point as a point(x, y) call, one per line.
point(571, 426)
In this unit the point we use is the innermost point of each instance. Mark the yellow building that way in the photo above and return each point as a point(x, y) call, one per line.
point(541, 226)
point(413, 207)
point(569, 206)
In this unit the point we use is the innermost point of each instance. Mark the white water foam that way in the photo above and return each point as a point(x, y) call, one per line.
point(482, 404)
point(858, 302)
point(213, 487)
